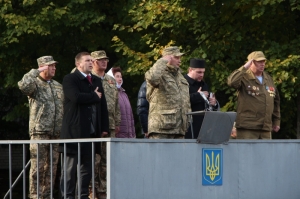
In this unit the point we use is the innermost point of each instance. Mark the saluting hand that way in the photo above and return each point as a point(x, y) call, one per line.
point(168, 58)
point(42, 68)
point(248, 64)
point(98, 93)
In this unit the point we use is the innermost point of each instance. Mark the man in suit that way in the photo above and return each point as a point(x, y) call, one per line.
point(85, 116)
point(197, 87)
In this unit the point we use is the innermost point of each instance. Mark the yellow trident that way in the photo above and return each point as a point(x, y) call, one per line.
point(212, 167)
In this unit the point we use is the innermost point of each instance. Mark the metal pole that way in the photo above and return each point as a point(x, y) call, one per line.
point(24, 173)
point(10, 175)
point(15, 182)
point(65, 168)
point(37, 172)
point(192, 129)
point(78, 171)
point(93, 169)
point(51, 171)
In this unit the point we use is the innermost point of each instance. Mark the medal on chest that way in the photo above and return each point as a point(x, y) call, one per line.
point(271, 91)
point(253, 90)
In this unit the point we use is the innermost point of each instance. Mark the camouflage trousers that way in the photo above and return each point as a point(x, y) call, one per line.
point(165, 136)
point(44, 167)
point(100, 168)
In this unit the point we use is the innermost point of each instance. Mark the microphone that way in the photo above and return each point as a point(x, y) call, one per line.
point(208, 107)
point(204, 97)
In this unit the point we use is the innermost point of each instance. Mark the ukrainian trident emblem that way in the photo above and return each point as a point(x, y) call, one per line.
point(212, 166)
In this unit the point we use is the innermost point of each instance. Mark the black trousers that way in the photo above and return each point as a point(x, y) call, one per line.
point(71, 175)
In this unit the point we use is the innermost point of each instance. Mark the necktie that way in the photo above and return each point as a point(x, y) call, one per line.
point(89, 78)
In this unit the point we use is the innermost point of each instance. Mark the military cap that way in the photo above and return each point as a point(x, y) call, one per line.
point(99, 54)
point(172, 50)
point(197, 63)
point(46, 60)
point(257, 56)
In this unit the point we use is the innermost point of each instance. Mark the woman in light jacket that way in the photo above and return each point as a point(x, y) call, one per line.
point(127, 129)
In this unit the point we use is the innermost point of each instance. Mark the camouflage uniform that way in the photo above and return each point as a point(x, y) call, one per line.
point(111, 94)
point(45, 120)
point(168, 96)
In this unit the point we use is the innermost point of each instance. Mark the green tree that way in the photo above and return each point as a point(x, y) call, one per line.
point(223, 33)
point(134, 32)
point(34, 28)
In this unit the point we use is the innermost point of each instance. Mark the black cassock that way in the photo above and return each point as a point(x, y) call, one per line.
point(197, 104)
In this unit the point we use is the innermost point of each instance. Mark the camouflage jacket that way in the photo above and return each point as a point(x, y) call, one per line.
point(112, 99)
point(258, 105)
point(45, 103)
point(169, 99)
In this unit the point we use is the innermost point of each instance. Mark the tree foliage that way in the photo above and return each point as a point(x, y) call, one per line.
point(134, 32)
point(34, 28)
point(223, 33)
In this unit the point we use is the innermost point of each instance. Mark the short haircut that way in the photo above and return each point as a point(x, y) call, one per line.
point(116, 69)
point(79, 55)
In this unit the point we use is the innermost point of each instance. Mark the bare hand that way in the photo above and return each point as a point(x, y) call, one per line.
point(276, 128)
point(248, 64)
point(168, 58)
point(204, 92)
point(212, 101)
point(43, 68)
point(98, 93)
point(117, 129)
point(233, 132)
point(104, 134)
point(146, 135)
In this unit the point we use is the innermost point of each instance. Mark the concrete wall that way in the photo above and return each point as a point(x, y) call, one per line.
point(172, 169)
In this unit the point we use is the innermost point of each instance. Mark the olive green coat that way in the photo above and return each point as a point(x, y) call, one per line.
point(258, 105)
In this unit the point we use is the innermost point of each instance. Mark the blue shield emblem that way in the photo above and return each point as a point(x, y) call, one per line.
point(212, 166)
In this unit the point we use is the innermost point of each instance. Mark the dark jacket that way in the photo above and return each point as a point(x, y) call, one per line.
point(143, 107)
point(197, 104)
point(79, 101)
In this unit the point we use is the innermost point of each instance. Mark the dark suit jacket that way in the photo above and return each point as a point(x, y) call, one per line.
point(79, 98)
point(197, 104)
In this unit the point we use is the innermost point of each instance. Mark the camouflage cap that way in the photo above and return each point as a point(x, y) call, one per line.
point(99, 54)
point(46, 60)
point(172, 50)
point(257, 56)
